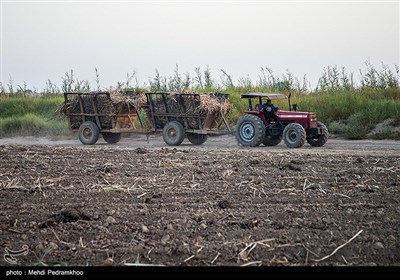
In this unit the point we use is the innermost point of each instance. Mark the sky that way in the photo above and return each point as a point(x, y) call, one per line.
point(43, 40)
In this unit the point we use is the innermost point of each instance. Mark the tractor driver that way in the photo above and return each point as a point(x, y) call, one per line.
point(269, 109)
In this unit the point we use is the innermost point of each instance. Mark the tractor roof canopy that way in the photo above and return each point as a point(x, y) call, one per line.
point(261, 94)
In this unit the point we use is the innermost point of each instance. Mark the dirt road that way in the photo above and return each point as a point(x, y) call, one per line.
point(221, 142)
point(218, 204)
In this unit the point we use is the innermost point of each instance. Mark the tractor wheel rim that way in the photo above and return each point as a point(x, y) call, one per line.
point(247, 132)
point(293, 136)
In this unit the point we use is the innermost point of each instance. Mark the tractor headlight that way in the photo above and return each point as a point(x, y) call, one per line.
point(313, 120)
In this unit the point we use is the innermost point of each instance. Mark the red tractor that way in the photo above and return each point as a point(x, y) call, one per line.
point(259, 126)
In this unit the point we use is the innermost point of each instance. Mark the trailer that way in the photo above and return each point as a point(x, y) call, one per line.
point(176, 115)
point(185, 114)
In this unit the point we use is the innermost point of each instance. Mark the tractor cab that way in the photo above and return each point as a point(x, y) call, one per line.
point(260, 98)
point(256, 100)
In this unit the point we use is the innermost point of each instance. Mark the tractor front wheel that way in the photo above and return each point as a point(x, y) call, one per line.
point(294, 135)
point(250, 131)
point(319, 140)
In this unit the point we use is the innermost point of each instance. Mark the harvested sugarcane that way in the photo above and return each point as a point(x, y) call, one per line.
point(194, 115)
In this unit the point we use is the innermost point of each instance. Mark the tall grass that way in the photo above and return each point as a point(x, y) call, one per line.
point(32, 125)
point(352, 113)
point(31, 115)
point(16, 106)
point(348, 104)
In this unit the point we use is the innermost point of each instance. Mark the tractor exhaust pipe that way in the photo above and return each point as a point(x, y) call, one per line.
point(294, 107)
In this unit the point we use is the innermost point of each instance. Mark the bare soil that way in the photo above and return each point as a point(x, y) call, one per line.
point(218, 204)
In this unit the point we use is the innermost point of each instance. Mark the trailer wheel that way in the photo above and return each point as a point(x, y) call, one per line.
point(88, 133)
point(173, 133)
point(272, 140)
point(250, 131)
point(197, 139)
point(111, 138)
point(319, 140)
point(294, 135)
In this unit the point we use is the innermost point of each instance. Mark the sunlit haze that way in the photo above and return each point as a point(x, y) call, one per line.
point(43, 40)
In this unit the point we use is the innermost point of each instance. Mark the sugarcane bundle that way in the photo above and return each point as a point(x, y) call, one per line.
point(210, 103)
point(195, 106)
point(108, 105)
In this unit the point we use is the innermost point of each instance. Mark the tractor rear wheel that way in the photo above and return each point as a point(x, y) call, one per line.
point(197, 139)
point(88, 133)
point(250, 131)
point(294, 135)
point(111, 138)
point(319, 140)
point(272, 140)
point(173, 133)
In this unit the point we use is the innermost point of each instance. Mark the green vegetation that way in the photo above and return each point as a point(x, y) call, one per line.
point(31, 116)
point(44, 106)
point(387, 133)
point(347, 108)
point(353, 113)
